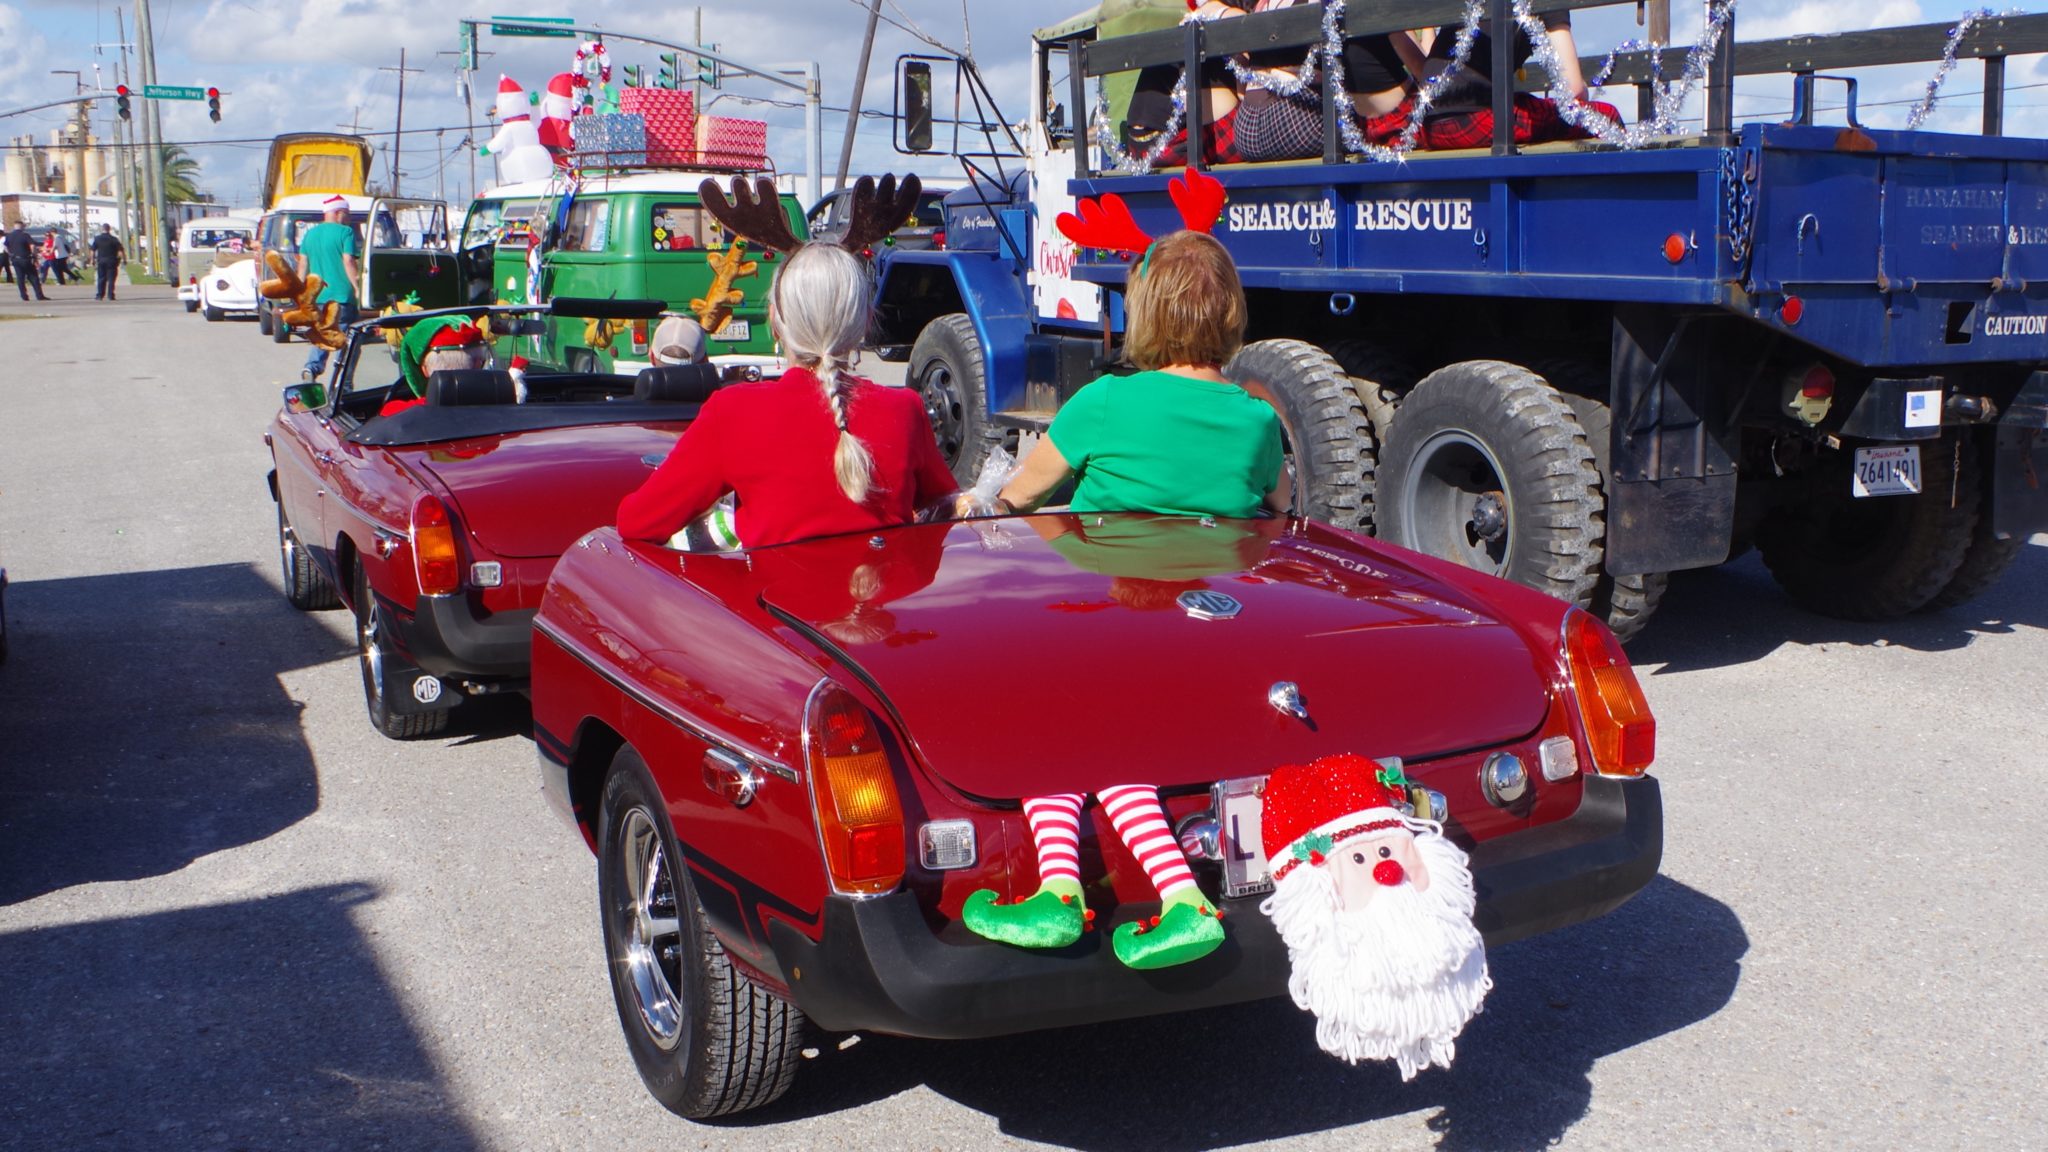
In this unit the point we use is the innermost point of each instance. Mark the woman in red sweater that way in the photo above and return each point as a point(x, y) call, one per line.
point(817, 452)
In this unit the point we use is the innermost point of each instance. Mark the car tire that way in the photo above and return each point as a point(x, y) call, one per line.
point(706, 1040)
point(191, 305)
point(948, 370)
point(1880, 557)
point(306, 587)
point(264, 320)
point(214, 315)
point(1381, 377)
point(280, 332)
point(1486, 466)
point(1626, 603)
point(376, 657)
point(1329, 435)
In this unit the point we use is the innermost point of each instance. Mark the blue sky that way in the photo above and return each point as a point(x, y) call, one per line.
point(315, 65)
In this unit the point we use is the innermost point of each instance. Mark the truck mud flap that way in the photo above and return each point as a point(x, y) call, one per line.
point(1671, 483)
point(2019, 471)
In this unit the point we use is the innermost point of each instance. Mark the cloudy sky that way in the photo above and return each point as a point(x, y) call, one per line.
point(315, 65)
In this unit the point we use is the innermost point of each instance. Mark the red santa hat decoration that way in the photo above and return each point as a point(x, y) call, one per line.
point(1375, 907)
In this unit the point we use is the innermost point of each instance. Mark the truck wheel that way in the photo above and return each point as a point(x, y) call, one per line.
point(1880, 557)
point(263, 318)
point(1381, 376)
point(213, 315)
point(379, 658)
point(707, 1041)
point(1625, 602)
point(947, 369)
point(305, 586)
point(1487, 466)
point(1984, 562)
point(1328, 433)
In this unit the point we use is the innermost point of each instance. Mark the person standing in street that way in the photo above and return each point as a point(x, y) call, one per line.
point(328, 250)
point(21, 257)
point(60, 256)
point(107, 255)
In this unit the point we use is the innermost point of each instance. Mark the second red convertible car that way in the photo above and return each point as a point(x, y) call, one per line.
point(795, 763)
point(438, 525)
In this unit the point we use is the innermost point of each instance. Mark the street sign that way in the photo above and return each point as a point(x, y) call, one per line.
point(165, 92)
point(519, 30)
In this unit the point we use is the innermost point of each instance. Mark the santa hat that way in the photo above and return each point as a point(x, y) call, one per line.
point(333, 202)
point(1311, 808)
point(509, 86)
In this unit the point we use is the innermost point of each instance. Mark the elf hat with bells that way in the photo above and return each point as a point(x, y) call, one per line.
point(427, 335)
point(1311, 808)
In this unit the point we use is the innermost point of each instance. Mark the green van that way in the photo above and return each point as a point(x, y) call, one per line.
point(640, 235)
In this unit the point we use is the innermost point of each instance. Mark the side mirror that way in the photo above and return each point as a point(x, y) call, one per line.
point(914, 97)
point(305, 397)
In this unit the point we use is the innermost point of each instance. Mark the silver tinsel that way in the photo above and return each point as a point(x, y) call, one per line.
point(1948, 65)
point(1670, 97)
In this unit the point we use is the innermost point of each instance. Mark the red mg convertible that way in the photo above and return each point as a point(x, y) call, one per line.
point(795, 763)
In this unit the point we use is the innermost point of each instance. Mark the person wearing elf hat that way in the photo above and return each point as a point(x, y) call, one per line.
point(328, 250)
point(442, 344)
point(1375, 907)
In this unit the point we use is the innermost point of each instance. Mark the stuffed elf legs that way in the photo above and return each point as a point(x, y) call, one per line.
point(1187, 927)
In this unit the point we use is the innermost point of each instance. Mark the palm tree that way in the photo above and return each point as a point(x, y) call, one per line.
point(181, 173)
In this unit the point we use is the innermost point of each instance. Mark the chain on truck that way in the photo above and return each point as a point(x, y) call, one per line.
point(1580, 366)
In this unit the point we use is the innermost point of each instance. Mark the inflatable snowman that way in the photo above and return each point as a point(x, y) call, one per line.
point(517, 144)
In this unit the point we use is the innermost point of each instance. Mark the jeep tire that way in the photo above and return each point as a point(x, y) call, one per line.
point(951, 377)
point(1329, 435)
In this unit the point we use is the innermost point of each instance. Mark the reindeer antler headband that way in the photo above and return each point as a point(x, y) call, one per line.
point(879, 208)
point(1105, 223)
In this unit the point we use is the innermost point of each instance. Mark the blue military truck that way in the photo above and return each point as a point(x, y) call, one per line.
point(1575, 365)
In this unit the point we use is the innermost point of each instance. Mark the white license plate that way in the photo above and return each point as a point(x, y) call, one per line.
point(1893, 471)
point(735, 331)
point(1239, 803)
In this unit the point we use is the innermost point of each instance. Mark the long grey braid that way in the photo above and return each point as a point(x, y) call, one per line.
point(819, 310)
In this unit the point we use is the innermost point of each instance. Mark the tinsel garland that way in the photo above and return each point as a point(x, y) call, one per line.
point(1948, 64)
point(1670, 97)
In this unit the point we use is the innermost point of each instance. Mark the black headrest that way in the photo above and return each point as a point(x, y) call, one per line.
point(463, 387)
point(685, 383)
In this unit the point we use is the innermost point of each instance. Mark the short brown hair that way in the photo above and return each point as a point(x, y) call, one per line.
point(1184, 304)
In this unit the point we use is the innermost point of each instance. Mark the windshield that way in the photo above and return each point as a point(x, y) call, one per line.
point(931, 210)
point(215, 237)
point(490, 221)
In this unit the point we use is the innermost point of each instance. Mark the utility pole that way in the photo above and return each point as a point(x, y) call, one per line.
point(398, 136)
point(124, 155)
point(697, 85)
point(860, 83)
point(152, 145)
point(441, 169)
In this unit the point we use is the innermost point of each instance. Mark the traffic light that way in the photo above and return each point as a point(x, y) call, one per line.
point(671, 70)
point(468, 56)
point(121, 102)
point(636, 76)
point(213, 104)
point(707, 69)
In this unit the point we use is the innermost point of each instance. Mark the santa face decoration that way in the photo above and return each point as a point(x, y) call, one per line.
point(1376, 910)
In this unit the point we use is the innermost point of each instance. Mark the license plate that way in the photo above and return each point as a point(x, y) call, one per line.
point(735, 331)
point(1893, 471)
point(1238, 805)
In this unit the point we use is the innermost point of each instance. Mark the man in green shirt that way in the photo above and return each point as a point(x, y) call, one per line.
point(328, 250)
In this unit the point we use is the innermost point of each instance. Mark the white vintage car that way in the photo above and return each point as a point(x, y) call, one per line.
point(230, 285)
point(206, 245)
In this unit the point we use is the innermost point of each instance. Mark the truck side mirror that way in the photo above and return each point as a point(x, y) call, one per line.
point(914, 96)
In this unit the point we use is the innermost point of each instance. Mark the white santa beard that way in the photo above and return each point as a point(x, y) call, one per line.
point(1396, 980)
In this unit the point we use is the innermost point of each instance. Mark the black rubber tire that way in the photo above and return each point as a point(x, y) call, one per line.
point(951, 376)
point(1484, 428)
point(1329, 436)
point(280, 332)
point(306, 587)
point(1881, 557)
point(1986, 558)
point(1625, 602)
point(191, 305)
point(373, 648)
point(213, 315)
point(722, 1044)
point(1381, 376)
point(263, 317)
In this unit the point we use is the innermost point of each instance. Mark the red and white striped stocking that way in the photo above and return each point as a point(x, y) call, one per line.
point(1140, 823)
point(1056, 832)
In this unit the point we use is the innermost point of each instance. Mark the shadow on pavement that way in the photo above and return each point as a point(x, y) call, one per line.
point(1734, 614)
point(1666, 960)
point(257, 1024)
point(142, 724)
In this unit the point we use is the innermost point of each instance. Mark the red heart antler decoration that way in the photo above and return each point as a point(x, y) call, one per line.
point(1104, 224)
point(1199, 196)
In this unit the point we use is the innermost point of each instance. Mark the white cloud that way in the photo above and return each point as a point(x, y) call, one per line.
point(1815, 17)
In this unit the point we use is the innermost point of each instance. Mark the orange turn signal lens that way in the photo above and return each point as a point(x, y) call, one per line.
point(853, 789)
point(1619, 728)
point(433, 548)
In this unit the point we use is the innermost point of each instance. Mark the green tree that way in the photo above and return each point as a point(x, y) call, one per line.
point(181, 174)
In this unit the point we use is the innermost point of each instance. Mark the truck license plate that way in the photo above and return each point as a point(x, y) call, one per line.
point(1238, 805)
point(1893, 471)
point(735, 331)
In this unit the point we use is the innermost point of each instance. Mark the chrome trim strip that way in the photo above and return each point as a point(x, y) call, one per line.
point(667, 712)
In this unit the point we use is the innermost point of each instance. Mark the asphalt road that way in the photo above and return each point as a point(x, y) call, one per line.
point(231, 916)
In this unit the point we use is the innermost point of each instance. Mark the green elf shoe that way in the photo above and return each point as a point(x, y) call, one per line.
point(1050, 918)
point(1181, 933)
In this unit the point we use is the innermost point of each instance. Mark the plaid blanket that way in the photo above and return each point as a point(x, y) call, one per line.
point(1536, 120)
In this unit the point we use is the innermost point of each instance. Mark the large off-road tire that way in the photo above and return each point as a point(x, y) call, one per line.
point(1882, 556)
point(949, 372)
point(264, 320)
point(1329, 436)
point(707, 1041)
point(306, 587)
point(1987, 557)
point(1625, 602)
point(1381, 376)
point(378, 658)
point(1486, 465)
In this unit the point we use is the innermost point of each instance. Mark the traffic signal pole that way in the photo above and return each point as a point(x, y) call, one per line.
point(158, 258)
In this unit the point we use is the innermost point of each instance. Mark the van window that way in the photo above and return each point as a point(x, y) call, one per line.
point(493, 221)
point(589, 227)
point(679, 228)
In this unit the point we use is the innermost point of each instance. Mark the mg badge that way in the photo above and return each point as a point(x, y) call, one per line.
point(1203, 604)
point(426, 689)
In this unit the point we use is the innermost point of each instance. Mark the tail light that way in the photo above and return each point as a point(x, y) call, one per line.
point(640, 337)
point(433, 548)
point(853, 788)
point(1619, 728)
point(939, 238)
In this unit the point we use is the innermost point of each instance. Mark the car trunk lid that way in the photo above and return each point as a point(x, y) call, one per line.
point(533, 493)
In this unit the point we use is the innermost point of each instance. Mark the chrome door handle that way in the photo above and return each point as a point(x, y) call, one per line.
point(730, 776)
point(325, 457)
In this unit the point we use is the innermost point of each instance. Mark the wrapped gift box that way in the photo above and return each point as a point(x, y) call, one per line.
point(613, 139)
point(729, 142)
point(670, 122)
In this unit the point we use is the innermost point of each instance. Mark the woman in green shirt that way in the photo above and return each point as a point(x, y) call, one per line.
point(1176, 437)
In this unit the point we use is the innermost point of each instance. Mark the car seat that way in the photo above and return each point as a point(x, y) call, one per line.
point(677, 383)
point(470, 386)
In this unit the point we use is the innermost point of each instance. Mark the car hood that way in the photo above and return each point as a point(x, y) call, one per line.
point(1065, 653)
point(530, 494)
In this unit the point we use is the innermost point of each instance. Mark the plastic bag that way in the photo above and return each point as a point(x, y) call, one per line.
point(996, 473)
point(714, 531)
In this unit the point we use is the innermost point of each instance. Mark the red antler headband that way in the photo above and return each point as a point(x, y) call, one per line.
point(1106, 223)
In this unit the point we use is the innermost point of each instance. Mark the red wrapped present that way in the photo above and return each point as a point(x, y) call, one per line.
point(730, 142)
point(671, 122)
